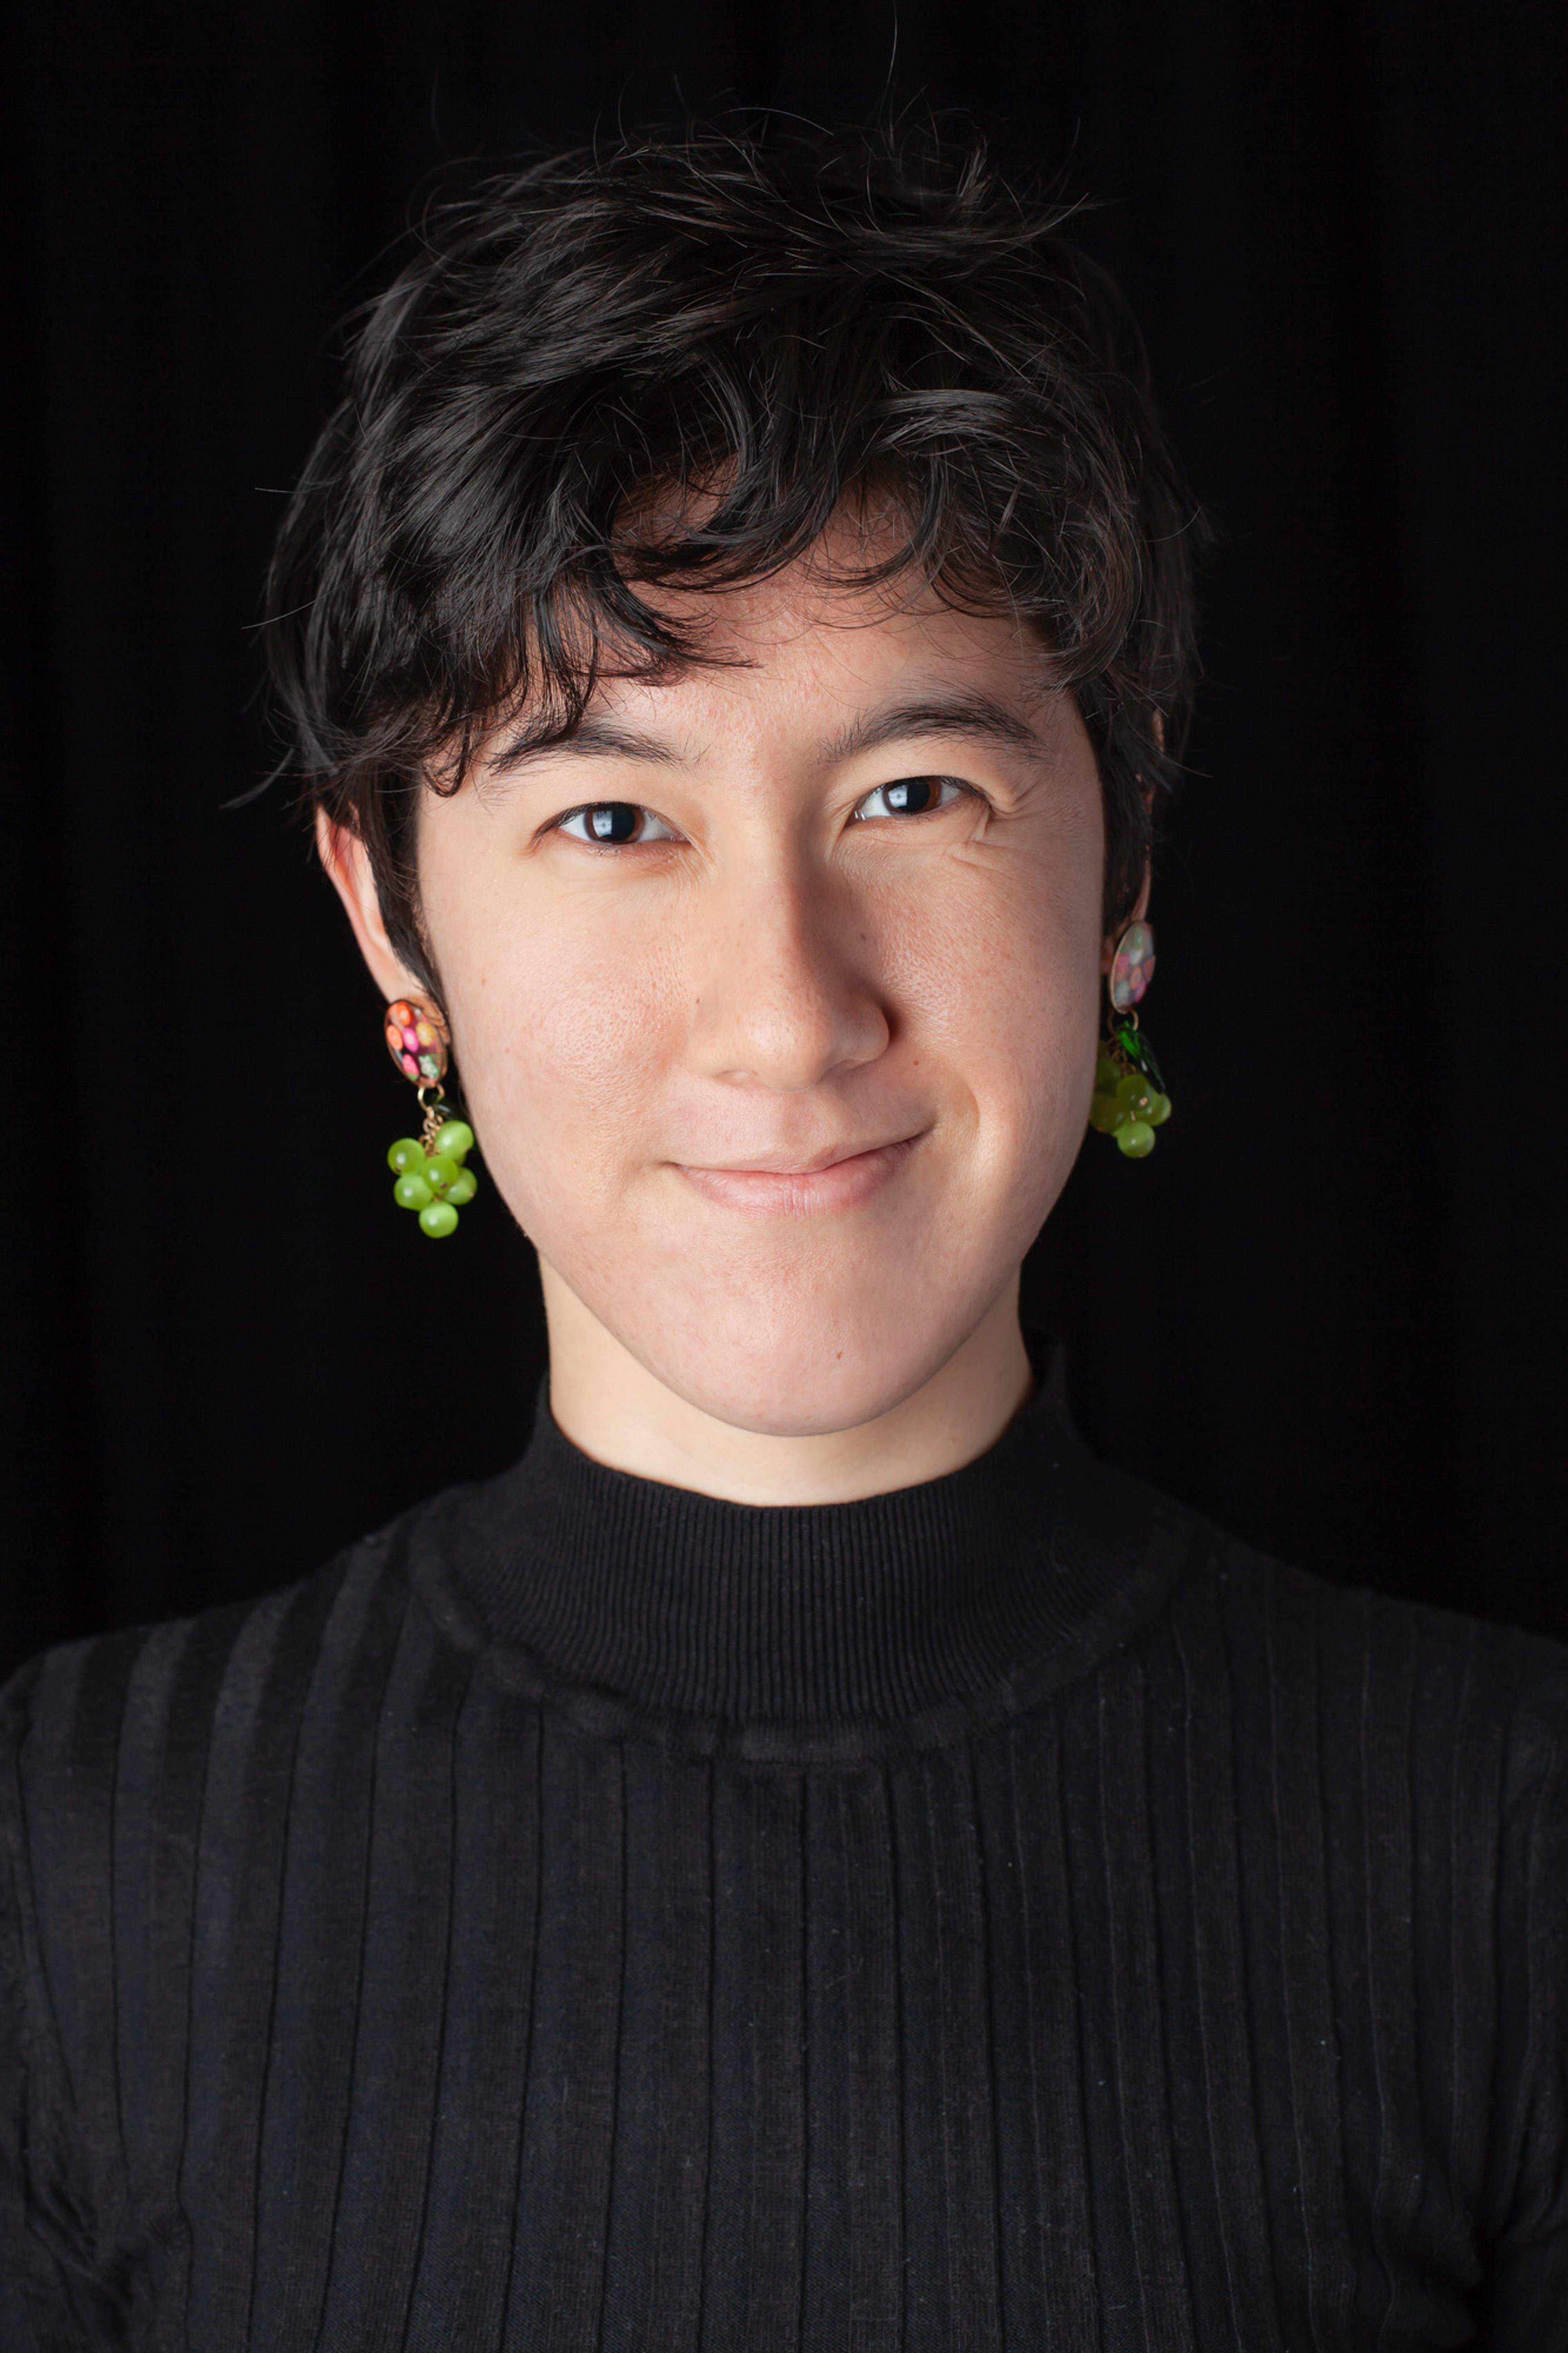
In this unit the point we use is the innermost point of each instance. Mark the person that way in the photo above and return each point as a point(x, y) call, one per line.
point(809, 1857)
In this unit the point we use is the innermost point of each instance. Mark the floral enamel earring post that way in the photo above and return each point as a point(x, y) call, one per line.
point(431, 1177)
point(1130, 1100)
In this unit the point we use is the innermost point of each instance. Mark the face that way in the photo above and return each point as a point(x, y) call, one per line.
point(774, 993)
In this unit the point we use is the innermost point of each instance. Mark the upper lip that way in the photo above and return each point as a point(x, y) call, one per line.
point(810, 1164)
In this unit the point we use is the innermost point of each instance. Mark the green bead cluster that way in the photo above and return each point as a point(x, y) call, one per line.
point(1128, 1102)
point(435, 1183)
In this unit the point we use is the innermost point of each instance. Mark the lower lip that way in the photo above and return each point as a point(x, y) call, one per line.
point(767, 1193)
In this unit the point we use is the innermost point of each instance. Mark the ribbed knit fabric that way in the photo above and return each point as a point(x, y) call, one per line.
point(1004, 1913)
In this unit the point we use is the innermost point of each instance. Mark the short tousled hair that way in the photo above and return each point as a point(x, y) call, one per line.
point(788, 336)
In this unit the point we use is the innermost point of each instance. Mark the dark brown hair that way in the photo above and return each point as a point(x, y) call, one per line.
point(787, 334)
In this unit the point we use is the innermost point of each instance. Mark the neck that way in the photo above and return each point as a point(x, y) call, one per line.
point(611, 1407)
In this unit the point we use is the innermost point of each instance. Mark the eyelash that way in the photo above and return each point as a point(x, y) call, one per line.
point(902, 783)
point(594, 808)
point(614, 809)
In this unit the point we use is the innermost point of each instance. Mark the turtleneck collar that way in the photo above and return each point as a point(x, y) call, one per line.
point(911, 1609)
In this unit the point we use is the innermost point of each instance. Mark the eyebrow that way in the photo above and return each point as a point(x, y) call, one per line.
point(947, 714)
point(604, 739)
point(969, 714)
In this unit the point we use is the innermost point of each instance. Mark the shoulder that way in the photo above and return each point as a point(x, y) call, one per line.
point(1387, 1686)
point(96, 1733)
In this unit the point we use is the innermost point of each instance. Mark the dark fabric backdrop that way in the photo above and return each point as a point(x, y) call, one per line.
point(1329, 1309)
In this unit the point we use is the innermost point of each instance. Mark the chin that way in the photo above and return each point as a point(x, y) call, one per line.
point(795, 1368)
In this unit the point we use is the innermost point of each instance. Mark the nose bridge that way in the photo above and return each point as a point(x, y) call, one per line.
point(786, 997)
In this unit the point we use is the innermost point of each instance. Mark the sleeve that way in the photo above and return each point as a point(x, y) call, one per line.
point(1523, 2303)
point(50, 2301)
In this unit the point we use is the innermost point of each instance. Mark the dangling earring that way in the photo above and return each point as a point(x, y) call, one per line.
point(431, 1177)
point(1130, 1100)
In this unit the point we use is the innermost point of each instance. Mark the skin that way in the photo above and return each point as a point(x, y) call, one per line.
point(783, 1089)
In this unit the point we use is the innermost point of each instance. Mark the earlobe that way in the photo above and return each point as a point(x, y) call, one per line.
point(348, 868)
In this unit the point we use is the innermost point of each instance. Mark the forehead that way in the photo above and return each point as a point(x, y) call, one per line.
point(804, 642)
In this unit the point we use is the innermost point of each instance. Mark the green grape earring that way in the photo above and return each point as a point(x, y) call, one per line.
point(431, 1177)
point(1129, 1100)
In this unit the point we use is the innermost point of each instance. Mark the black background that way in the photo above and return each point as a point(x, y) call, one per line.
point(1328, 1309)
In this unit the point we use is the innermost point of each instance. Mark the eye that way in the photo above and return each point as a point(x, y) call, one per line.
point(910, 797)
point(611, 825)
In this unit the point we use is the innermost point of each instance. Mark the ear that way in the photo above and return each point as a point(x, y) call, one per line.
point(347, 862)
point(1136, 913)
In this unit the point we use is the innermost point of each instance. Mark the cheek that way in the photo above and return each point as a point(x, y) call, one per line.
point(563, 1037)
point(1000, 978)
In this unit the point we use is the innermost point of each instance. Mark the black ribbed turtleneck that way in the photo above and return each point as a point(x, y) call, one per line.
point(931, 1602)
point(998, 1914)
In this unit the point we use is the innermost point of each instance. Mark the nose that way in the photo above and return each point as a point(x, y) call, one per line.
point(787, 996)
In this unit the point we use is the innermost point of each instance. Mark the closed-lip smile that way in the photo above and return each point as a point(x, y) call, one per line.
point(815, 1183)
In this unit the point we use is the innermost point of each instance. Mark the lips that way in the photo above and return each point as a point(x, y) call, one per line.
point(825, 1181)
